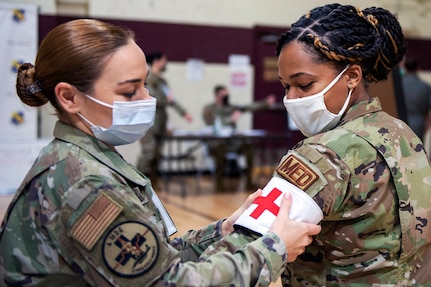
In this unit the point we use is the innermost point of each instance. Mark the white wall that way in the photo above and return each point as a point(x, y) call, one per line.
point(414, 15)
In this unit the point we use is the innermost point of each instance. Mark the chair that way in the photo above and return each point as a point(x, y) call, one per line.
point(185, 165)
point(232, 167)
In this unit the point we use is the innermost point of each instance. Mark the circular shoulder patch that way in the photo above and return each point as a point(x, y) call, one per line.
point(130, 249)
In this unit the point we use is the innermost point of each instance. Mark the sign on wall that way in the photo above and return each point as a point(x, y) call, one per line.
point(19, 145)
point(239, 67)
point(18, 44)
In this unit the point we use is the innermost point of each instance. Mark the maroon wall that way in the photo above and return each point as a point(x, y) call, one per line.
point(179, 41)
point(211, 44)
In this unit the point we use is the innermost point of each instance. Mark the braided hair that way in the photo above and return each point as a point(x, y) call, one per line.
point(343, 34)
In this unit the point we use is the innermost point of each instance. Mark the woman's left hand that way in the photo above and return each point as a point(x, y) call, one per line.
point(227, 225)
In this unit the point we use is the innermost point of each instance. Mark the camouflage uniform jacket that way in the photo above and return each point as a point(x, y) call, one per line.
point(211, 111)
point(224, 113)
point(83, 216)
point(372, 180)
point(158, 87)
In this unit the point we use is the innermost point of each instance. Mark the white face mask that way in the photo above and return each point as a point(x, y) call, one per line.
point(310, 113)
point(130, 121)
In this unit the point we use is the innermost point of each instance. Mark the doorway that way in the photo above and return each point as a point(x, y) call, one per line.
point(266, 82)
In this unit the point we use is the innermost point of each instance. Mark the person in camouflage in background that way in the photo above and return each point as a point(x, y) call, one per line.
point(152, 143)
point(83, 216)
point(366, 170)
point(228, 114)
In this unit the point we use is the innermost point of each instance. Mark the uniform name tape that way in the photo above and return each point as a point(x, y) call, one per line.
point(297, 173)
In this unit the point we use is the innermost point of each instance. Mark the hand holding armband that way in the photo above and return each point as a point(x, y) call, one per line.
point(263, 211)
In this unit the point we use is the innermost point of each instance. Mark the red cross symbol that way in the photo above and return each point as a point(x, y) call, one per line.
point(266, 203)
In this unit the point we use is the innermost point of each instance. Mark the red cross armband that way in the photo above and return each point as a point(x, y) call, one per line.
point(263, 211)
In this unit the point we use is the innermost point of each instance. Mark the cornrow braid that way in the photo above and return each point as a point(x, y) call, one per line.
point(331, 54)
point(344, 34)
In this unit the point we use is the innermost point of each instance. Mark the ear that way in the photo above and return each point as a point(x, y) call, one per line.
point(68, 97)
point(354, 73)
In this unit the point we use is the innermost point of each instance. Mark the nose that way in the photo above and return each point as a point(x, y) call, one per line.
point(290, 95)
point(147, 95)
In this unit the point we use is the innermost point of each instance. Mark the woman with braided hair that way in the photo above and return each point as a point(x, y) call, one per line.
point(367, 171)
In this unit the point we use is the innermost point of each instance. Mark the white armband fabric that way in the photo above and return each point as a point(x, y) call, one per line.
point(263, 211)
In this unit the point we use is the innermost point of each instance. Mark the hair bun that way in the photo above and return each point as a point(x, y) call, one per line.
point(28, 88)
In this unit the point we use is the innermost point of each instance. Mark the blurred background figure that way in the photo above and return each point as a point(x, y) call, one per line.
point(152, 143)
point(223, 116)
point(417, 95)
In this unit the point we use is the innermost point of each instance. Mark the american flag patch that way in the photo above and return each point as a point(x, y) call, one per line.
point(101, 213)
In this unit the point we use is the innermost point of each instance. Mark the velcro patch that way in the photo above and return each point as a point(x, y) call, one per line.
point(130, 249)
point(296, 172)
point(101, 213)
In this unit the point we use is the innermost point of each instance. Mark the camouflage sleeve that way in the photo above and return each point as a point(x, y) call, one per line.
point(194, 242)
point(113, 235)
point(114, 238)
point(343, 181)
point(256, 106)
point(318, 171)
point(239, 259)
point(344, 175)
point(177, 107)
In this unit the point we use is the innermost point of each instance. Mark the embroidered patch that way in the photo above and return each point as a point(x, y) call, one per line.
point(130, 249)
point(101, 213)
point(296, 172)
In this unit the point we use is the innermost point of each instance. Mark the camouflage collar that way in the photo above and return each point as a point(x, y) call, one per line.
point(360, 109)
point(99, 150)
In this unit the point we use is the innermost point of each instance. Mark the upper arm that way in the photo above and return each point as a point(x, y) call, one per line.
point(115, 233)
point(318, 171)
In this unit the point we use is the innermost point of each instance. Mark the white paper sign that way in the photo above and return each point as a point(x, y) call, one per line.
point(239, 67)
point(195, 70)
point(16, 158)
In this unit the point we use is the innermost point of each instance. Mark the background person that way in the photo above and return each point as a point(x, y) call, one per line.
point(152, 142)
point(366, 170)
point(417, 94)
point(83, 216)
point(222, 112)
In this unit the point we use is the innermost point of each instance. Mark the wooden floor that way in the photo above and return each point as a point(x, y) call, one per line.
point(196, 209)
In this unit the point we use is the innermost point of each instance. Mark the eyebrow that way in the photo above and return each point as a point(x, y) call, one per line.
point(132, 80)
point(297, 75)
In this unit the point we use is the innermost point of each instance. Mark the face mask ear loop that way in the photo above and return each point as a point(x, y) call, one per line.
point(99, 101)
point(346, 103)
point(334, 81)
point(94, 99)
point(86, 120)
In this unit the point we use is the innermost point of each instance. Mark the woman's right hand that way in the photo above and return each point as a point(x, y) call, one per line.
point(296, 235)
